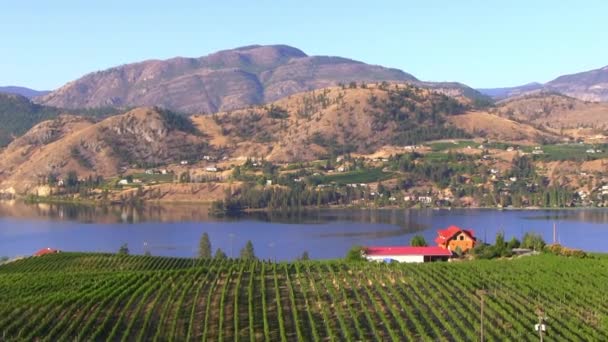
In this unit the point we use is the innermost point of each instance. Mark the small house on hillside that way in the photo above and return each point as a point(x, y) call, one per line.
point(453, 238)
point(46, 251)
point(406, 254)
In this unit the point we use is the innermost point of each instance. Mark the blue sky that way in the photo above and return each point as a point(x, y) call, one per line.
point(480, 43)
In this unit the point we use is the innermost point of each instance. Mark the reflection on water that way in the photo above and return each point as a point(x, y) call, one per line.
point(406, 221)
point(104, 213)
point(599, 215)
point(175, 229)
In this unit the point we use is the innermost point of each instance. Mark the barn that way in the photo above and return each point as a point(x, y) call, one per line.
point(406, 254)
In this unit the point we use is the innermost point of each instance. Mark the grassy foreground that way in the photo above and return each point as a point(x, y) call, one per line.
point(86, 297)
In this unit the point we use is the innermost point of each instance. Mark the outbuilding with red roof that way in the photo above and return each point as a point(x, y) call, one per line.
point(46, 251)
point(406, 254)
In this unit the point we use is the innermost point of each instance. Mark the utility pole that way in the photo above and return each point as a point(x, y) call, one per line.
point(231, 235)
point(481, 332)
point(541, 327)
point(271, 245)
point(481, 293)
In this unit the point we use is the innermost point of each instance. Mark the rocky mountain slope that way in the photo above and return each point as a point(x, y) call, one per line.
point(138, 138)
point(301, 127)
point(222, 81)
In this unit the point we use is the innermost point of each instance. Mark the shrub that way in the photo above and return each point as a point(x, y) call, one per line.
point(355, 254)
point(513, 243)
point(533, 241)
point(558, 249)
point(277, 112)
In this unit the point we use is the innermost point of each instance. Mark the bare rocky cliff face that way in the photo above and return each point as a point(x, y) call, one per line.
point(221, 81)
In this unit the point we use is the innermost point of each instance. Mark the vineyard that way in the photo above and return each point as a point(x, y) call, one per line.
point(95, 297)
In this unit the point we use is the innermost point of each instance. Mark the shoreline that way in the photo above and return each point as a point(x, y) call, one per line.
point(86, 202)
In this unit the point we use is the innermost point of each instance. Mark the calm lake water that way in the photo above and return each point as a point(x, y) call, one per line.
point(174, 230)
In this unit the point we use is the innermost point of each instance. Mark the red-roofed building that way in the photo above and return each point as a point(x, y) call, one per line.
point(46, 251)
point(406, 254)
point(455, 237)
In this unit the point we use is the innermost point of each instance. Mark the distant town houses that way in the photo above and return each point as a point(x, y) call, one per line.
point(157, 172)
point(537, 150)
point(424, 199)
point(413, 147)
point(593, 151)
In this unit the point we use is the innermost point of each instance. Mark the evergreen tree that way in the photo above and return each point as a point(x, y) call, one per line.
point(500, 240)
point(305, 256)
point(219, 254)
point(204, 247)
point(247, 253)
point(418, 241)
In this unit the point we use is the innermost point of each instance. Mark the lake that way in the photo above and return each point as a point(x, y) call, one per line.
point(174, 230)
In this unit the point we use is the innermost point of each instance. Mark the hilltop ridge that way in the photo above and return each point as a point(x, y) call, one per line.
point(224, 80)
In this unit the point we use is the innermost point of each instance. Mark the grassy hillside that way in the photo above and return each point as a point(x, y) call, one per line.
point(555, 111)
point(74, 296)
point(354, 118)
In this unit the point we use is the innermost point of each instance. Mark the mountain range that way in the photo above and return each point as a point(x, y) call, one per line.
point(225, 80)
point(587, 86)
point(26, 92)
point(257, 74)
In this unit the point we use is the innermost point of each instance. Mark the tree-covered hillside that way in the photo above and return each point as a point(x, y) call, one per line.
point(18, 114)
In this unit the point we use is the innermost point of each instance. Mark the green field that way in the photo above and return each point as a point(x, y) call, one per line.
point(562, 152)
point(146, 178)
point(102, 297)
